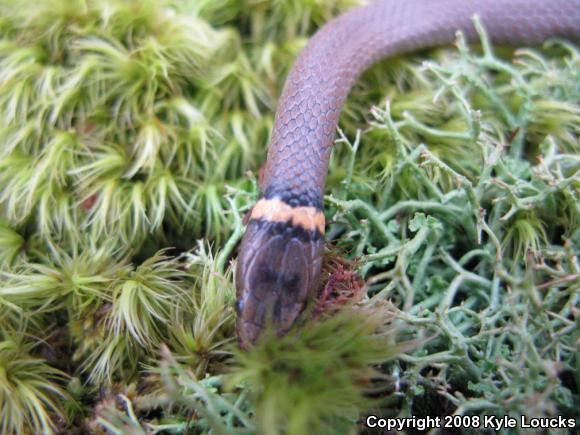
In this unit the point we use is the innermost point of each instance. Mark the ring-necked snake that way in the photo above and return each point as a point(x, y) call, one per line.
point(280, 256)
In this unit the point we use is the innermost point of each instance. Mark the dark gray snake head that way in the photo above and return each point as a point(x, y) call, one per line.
point(278, 272)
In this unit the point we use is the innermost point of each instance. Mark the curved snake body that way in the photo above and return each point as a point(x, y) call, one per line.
point(280, 256)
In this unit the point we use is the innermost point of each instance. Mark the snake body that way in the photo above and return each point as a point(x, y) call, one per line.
point(280, 256)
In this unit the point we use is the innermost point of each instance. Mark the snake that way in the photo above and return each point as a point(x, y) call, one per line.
point(280, 256)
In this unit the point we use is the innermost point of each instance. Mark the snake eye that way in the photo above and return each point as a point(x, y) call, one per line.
point(278, 270)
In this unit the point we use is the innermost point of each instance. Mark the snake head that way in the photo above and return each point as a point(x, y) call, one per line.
point(278, 271)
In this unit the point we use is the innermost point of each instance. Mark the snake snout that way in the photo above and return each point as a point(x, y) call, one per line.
point(278, 270)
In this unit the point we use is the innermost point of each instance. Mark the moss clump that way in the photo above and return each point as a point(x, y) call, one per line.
point(31, 391)
point(315, 379)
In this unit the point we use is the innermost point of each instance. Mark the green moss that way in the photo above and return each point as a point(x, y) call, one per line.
point(31, 391)
point(314, 379)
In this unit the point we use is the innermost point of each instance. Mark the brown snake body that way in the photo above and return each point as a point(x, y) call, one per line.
point(280, 256)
